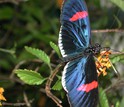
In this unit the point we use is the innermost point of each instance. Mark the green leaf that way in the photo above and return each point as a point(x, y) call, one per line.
point(117, 58)
point(122, 102)
point(39, 53)
point(117, 104)
point(57, 86)
point(119, 3)
point(103, 98)
point(56, 48)
point(6, 13)
point(30, 77)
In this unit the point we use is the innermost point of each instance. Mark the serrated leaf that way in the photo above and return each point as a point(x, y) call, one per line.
point(103, 98)
point(30, 77)
point(57, 86)
point(119, 3)
point(56, 48)
point(39, 53)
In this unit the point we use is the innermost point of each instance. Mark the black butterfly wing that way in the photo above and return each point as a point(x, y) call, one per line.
point(79, 79)
point(74, 33)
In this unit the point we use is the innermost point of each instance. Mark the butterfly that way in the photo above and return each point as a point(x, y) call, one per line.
point(79, 77)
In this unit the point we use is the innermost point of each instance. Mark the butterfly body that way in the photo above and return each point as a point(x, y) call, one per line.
point(79, 78)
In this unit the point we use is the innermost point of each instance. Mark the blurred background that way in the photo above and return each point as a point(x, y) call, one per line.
point(36, 23)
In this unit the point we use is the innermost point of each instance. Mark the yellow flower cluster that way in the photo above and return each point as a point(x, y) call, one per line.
point(1, 95)
point(103, 62)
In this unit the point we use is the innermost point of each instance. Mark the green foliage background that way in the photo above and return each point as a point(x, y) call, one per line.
point(35, 24)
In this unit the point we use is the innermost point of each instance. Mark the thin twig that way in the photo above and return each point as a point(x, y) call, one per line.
point(7, 79)
point(16, 104)
point(51, 54)
point(117, 85)
point(107, 30)
point(6, 35)
point(12, 1)
point(48, 85)
point(42, 90)
point(116, 71)
point(28, 104)
point(21, 63)
point(117, 53)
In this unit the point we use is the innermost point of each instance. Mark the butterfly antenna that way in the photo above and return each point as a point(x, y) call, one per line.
point(106, 48)
point(114, 52)
point(116, 71)
point(117, 52)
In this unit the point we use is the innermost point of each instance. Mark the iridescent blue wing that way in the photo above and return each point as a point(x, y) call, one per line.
point(74, 33)
point(79, 79)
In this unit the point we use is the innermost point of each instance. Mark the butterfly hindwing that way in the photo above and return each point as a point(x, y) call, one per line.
point(79, 79)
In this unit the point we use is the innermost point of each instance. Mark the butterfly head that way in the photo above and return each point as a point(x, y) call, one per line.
point(95, 49)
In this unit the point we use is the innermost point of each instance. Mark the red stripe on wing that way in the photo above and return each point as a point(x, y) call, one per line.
point(79, 15)
point(88, 87)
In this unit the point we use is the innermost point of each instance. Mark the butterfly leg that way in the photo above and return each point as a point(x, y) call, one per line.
point(116, 71)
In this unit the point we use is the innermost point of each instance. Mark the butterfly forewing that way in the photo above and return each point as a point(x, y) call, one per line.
point(74, 33)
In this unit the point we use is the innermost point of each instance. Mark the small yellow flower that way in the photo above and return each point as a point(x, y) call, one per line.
point(1, 95)
point(105, 59)
point(1, 90)
point(103, 62)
